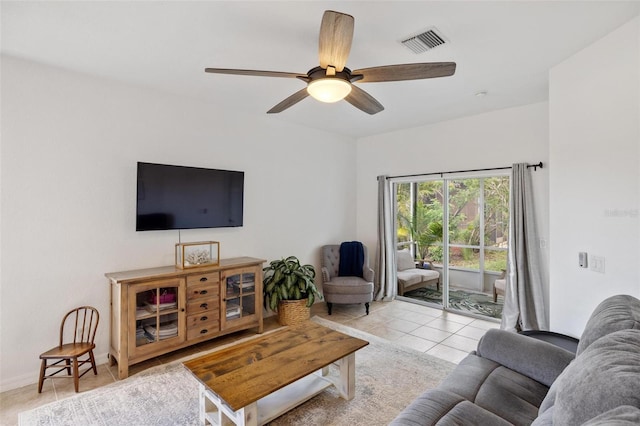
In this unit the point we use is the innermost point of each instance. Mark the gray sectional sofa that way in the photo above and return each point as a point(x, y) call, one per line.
point(513, 379)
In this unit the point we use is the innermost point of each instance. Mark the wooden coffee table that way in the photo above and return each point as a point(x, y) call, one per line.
point(254, 382)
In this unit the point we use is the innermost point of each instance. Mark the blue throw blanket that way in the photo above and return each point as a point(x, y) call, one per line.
point(351, 259)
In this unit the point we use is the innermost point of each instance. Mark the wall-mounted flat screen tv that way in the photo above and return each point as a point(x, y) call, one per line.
point(179, 197)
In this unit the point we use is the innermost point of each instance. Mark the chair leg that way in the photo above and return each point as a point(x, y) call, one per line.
point(495, 294)
point(329, 306)
point(93, 363)
point(43, 368)
point(366, 307)
point(68, 362)
point(76, 377)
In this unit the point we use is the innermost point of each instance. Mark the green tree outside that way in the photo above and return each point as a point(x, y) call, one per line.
point(422, 222)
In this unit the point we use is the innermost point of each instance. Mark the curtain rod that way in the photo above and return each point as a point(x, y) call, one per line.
point(535, 168)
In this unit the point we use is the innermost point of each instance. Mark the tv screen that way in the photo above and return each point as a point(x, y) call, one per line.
point(178, 197)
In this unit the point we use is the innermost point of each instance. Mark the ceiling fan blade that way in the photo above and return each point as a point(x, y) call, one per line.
point(256, 73)
point(290, 101)
point(364, 101)
point(406, 72)
point(336, 34)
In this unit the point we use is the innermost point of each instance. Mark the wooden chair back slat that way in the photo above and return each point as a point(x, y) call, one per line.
point(85, 324)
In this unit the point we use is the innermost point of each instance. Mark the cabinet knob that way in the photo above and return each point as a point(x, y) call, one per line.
point(204, 305)
point(203, 318)
point(203, 291)
point(205, 331)
point(203, 279)
point(182, 310)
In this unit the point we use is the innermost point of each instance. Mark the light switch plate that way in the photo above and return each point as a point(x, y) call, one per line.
point(596, 264)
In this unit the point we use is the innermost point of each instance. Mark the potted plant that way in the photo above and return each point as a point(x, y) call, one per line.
point(289, 289)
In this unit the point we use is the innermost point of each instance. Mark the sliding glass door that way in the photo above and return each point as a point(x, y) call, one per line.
point(472, 254)
point(419, 227)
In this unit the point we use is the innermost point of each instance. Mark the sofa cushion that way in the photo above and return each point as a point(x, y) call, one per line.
point(605, 376)
point(620, 312)
point(404, 260)
point(512, 396)
point(625, 415)
point(409, 277)
point(347, 285)
point(497, 389)
point(466, 379)
point(444, 408)
point(469, 414)
point(544, 418)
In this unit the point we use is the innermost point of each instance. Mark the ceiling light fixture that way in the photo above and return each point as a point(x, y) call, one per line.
point(329, 90)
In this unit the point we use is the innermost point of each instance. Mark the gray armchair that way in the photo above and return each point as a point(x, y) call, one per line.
point(345, 290)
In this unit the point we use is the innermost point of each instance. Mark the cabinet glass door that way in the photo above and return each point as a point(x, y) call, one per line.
point(240, 295)
point(158, 314)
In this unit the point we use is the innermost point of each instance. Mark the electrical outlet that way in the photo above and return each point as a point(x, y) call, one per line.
point(596, 264)
point(582, 259)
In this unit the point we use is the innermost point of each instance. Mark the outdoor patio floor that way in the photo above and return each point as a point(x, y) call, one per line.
point(460, 299)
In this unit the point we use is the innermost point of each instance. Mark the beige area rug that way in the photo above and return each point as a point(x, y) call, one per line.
point(388, 378)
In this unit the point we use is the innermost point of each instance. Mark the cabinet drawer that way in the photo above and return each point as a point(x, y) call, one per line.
point(203, 305)
point(203, 319)
point(212, 277)
point(202, 291)
point(203, 330)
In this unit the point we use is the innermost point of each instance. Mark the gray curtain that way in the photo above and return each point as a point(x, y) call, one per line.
point(524, 297)
point(385, 280)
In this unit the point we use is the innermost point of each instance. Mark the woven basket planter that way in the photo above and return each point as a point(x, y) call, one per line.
point(292, 312)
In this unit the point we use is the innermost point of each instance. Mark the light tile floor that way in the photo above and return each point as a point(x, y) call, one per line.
point(442, 334)
point(439, 333)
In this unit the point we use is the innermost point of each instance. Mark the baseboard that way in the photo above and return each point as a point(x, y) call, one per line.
point(32, 378)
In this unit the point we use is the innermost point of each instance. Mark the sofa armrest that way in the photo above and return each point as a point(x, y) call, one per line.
point(428, 262)
point(536, 359)
point(367, 274)
point(325, 274)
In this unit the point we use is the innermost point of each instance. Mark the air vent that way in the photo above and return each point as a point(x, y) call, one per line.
point(424, 41)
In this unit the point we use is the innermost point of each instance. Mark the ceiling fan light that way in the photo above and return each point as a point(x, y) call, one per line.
point(329, 89)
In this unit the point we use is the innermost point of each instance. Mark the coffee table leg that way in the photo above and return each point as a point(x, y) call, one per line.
point(202, 404)
point(212, 408)
point(248, 415)
point(214, 411)
point(347, 384)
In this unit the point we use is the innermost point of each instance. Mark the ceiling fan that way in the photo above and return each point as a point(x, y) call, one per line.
point(332, 80)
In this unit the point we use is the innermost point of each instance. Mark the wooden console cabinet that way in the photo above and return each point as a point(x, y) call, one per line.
point(159, 310)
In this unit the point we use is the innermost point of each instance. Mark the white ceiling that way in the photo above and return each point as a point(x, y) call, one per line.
point(503, 48)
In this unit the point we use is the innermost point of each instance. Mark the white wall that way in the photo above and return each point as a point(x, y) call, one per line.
point(495, 139)
point(594, 103)
point(70, 144)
